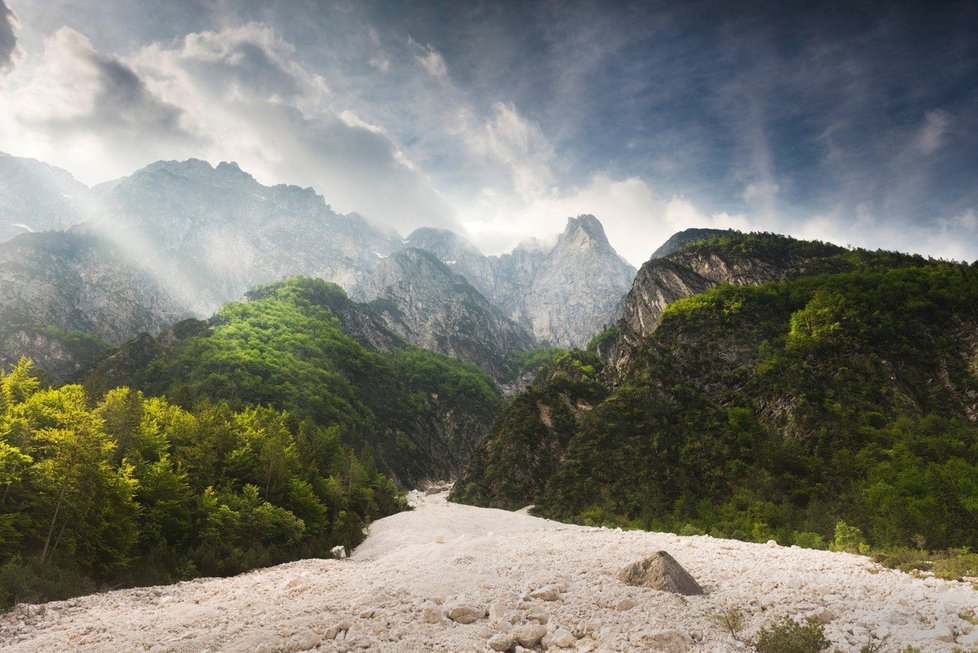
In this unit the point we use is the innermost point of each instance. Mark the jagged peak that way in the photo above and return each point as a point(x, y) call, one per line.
point(588, 225)
point(225, 171)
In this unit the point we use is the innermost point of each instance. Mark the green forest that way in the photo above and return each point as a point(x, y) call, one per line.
point(124, 489)
point(843, 396)
point(302, 346)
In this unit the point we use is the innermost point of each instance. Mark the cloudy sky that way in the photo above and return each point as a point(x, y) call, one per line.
point(850, 122)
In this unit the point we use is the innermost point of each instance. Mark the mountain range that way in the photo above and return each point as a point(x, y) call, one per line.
point(180, 239)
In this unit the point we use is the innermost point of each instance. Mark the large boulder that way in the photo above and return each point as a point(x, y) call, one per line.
point(660, 571)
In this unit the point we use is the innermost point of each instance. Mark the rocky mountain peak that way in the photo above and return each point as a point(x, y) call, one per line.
point(584, 228)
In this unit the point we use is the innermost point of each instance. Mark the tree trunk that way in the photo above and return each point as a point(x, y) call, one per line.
point(54, 518)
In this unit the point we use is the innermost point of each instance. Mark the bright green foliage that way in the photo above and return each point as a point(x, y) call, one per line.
point(136, 490)
point(848, 538)
point(288, 348)
point(789, 636)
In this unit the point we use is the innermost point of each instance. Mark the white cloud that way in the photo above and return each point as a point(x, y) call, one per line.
point(232, 94)
point(930, 136)
point(433, 63)
point(967, 219)
point(515, 143)
point(89, 112)
point(762, 190)
point(636, 218)
point(381, 63)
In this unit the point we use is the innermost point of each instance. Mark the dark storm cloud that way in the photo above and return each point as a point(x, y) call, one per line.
point(8, 38)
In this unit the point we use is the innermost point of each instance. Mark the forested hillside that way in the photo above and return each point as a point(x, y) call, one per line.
point(125, 489)
point(302, 346)
point(847, 391)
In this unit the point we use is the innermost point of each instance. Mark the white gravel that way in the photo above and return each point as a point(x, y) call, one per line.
point(394, 594)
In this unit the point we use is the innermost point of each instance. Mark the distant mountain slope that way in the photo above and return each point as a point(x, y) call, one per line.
point(210, 233)
point(65, 295)
point(430, 306)
point(563, 294)
point(301, 345)
point(846, 388)
point(37, 197)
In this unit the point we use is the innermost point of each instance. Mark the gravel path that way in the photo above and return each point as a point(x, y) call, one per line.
point(507, 571)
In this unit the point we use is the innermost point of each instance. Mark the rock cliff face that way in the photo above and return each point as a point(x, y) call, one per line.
point(65, 296)
point(578, 286)
point(430, 306)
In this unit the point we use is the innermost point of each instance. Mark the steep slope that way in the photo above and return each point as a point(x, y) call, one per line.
point(848, 390)
point(37, 197)
point(63, 295)
point(702, 264)
point(428, 305)
point(301, 345)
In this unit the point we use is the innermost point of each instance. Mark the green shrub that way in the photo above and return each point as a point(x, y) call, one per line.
point(957, 566)
point(789, 636)
point(848, 538)
point(809, 540)
point(689, 529)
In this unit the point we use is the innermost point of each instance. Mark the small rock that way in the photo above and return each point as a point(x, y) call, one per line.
point(530, 634)
point(466, 614)
point(440, 539)
point(546, 594)
point(367, 614)
point(563, 638)
point(772, 544)
point(501, 642)
point(335, 631)
point(670, 640)
point(660, 571)
point(498, 611)
point(306, 641)
point(625, 604)
point(537, 615)
point(338, 551)
point(588, 627)
point(431, 615)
